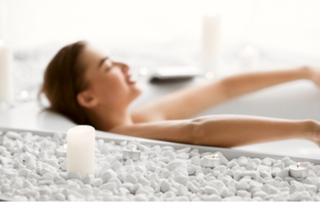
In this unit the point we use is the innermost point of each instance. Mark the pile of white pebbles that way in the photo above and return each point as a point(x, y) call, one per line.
point(30, 169)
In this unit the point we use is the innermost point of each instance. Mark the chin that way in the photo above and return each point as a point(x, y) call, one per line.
point(138, 91)
point(135, 92)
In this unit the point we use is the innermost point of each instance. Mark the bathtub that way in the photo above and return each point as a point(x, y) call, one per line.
point(294, 100)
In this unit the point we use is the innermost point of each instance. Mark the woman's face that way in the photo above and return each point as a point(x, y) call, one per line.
point(108, 81)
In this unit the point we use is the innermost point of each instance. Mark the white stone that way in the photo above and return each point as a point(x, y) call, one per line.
point(33, 175)
point(211, 190)
point(48, 176)
point(143, 181)
point(102, 168)
point(298, 196)
point(130, 178)
point(170, 154)
point(74, 175)
point(109, 186)
point(165, 186)
point(242, 161)
point(63, 165)
point(23, 172)
point(263, 167)
point(27, 184)
point(241, 185)
point(107, 175)
point(46, 182)
point(173, 165)
point(97, 182)
point(4, 160)
point(268, 161)
point(116, 165)
point(13, 135)
point(191, 169)
point(88, 179)
point(251, 165)
point(53, 163)
point(232, 164)
point(275, 171)
point(192, 187)
point(181, 179)
point(260, 194)
point(140, 197)
point(165, 173)
point(265, 173)
point(59, 197)
point(243, 194)
point(116, 181)
point(110, 158)
point(195, 160)
point(287, 161)
point(269, 189)
point(237, 175)
point(283, 173)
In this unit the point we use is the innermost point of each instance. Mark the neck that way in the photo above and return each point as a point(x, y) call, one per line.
point(108, 119)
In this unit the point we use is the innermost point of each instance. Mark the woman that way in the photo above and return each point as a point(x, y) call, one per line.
point(87, 86)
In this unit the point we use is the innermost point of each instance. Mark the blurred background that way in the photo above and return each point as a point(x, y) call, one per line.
point(151, 33)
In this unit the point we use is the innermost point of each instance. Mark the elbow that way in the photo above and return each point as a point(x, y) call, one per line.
point(226, 89)
point(197, 131)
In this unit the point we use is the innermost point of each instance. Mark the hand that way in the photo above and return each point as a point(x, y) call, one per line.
point(315, 134)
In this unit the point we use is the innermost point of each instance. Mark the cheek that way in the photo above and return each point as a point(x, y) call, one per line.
point(113, 87)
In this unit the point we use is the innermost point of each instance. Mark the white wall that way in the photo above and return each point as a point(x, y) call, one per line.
point(291, 25)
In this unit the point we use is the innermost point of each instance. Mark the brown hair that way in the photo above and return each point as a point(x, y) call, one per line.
point(63, 80)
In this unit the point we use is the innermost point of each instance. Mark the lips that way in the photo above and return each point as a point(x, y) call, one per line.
point(130, 80)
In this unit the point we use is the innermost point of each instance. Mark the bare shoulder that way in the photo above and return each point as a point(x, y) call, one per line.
point(175, 130)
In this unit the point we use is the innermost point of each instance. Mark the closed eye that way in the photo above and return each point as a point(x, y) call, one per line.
point(109, 65)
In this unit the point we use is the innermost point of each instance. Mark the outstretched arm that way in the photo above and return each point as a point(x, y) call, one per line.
point(189, 101)
point(224, 130)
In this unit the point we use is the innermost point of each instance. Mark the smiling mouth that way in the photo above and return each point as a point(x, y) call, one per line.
point(130, 80)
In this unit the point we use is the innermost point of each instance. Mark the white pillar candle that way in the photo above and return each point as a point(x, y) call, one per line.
point(211, 161)
point(211, 42)
point(298, 171)
point(81, 150)
point(6, 74)
point(249, 58)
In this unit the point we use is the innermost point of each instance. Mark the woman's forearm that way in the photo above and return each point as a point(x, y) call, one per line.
point(246, 83)
point(233, 130)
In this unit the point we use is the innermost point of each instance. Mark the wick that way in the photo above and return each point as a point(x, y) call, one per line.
point(298, 164)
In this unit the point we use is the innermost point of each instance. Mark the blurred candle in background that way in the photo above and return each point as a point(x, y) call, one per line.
point(6, 74)
point(211, 41)
point(249, 58)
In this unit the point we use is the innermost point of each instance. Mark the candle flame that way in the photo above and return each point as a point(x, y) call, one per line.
point(298, 164)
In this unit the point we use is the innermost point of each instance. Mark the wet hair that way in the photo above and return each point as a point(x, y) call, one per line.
point(63, 80)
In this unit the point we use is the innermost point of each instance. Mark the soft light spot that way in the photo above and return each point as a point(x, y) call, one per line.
point(209, 75)
point(24, 94)
point(144, 71)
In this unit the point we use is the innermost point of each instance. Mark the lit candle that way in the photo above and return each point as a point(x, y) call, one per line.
point(132, 153)
point(249, 58)
point(298, 171)
point(211, 41)
point(62, 150)
point(6, 74)
point(211, 161)
point(81, 150)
